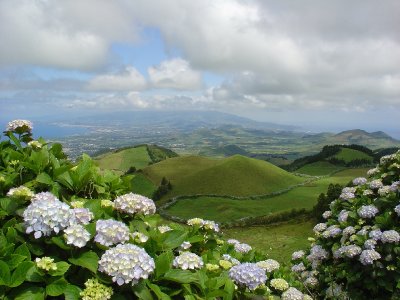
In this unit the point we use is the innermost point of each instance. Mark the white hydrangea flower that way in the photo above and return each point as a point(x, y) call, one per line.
point(231, 259)
point(292, 294)
point(298, 254)
point(343, 215)
point(390, 236)
point(370, 244)
point(211, 225)
point(16, 125)
point(368, 192)
point(133, 203)
point(373, 172)
point(242, 248)
point(332, 231)
point(327, 214)
point(248, 275)
point(195, 222)
point(83, 215)
point(188, 260)
point(375, 234)
point(349, 230)
point(395, 186)
point(320, 227)
point(298, 268)
point(94, 290)
point(126, 263)
point(375, 184)
point(44, 196)
point(279, 284)
point(269, 265)
point(367, 211)
point(397, 209)
point(350, 251)
point(335, 291)
point(111, 232)
point(139, 237)
point(232, 242)
point(317, 253)
point(360, 181)
point(43, 216)
point(21, 192)
point(368, 257)
point(311, 281)
point(348, 193)
point(164, 228)
point(185, 245)
point(46, 263)
point(35, 144)
point(76, 235)
point(383, 191)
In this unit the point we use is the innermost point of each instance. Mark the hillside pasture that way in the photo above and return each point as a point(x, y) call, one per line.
point(223, 209)
point(349, 155)
point(318, 168)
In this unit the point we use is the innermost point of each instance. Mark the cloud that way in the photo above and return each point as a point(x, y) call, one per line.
point(72, 34)
point(175, 74)
point(129, 79)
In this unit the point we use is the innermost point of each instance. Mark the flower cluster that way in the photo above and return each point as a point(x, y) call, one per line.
point(111, 232)
point(19, 126)
point(47, 214)
point(206, 224)
point(126, 263)
point(135, 204)
point(279, 284)
point(292, 294)
point(164, 228)
point(359, 238)
point(248, 275)
point(83, 215)
point(188, 260)
point(139, 237)
point(242, 247)
point(46, 263)
point(94, 290)
point(76, 235)
point(21, 192)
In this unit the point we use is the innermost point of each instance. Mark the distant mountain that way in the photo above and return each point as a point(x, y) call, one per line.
point(184, 120)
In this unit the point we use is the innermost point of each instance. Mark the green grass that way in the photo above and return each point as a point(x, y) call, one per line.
point(278, 241)
point(225, 210)
point(318, 168)
point(348, 155)
point(236, 176)
point(122, 160)
point(142, 185)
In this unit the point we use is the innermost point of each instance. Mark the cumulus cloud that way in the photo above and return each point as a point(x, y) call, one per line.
point(128, 79)
point(175, 74)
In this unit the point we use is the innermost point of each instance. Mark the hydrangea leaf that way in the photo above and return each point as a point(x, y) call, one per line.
point(88, 260)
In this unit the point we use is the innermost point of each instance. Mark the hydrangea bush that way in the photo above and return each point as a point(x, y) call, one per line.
point(355, 253)
point(70, 231)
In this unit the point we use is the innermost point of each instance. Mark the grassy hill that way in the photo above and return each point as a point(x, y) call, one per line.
point(139, 157)
point(348, 155)
point(235, 176)
point(332, 156)
point(227, 210)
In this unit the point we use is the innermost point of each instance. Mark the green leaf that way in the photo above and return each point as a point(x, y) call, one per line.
point(88, 260)
point(30, 293)
point(11, 234)
point(24, 251)
point(230, 289)
point(19, 275)
point(57, 287)
point(72, 292)
point(62, 267)
point(175, 238)
point(5, 275)
point(34, 275)
point(181, 276)
point(14, 260)
point(163, 263)
point(60, 243)
point(8, 205)
point(44, 178)
point(142, 291)
point(156, 289)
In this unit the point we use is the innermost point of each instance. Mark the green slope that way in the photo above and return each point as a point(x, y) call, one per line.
point(226, 210)
point(348, 155)
point(318, 168)
point(122, 160)
point(238, 176)
point(235, 176)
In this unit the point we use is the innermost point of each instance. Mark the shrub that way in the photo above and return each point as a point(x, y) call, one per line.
point(61, 236)
point(355, 251)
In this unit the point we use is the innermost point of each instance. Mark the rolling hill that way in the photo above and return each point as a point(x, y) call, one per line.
point(333, 158)
point(138, 157)
point(235, 176)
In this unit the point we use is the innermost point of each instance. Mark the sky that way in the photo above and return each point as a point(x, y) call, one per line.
point(322, 65)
